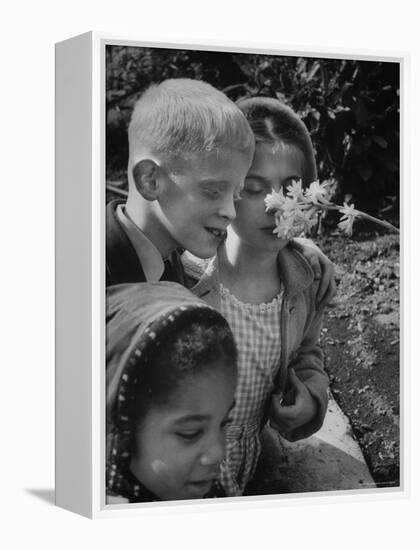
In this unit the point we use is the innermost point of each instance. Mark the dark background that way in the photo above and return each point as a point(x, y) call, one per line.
point(350, 107)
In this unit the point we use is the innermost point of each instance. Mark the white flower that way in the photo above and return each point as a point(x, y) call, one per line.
point(347, 219)
point(290, 206)
point(292, 217)
point(292, 221)
point(307, 219)
point(284, 228)
point(297, 212)
point(281, 231)
point(295, 190)
point(348, 211)
point(346, 226)
point(319, 193)
point(274, 201)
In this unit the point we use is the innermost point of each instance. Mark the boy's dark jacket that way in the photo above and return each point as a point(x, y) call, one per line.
point(122, 262)
point(138, 318)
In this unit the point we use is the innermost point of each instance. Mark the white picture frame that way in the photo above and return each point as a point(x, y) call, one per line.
point(80, 281)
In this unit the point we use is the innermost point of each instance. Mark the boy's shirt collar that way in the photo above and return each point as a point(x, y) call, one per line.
point(149, 256)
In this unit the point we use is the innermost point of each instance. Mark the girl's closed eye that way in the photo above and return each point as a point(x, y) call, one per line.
point(189, 435)
point(254, 188)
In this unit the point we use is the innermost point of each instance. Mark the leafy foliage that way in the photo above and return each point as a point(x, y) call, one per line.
point(350, 107)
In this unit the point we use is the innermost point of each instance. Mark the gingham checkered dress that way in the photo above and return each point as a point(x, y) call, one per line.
point(257, 333)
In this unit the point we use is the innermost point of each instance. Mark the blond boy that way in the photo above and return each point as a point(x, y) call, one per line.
point(190, 149)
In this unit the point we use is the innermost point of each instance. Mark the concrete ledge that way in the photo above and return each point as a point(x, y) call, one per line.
point(329, 460)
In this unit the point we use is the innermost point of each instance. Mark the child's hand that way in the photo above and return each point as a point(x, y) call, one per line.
point(322, 267)
point(296, 409)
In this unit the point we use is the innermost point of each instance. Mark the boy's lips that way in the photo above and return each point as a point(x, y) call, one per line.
point(218, 233)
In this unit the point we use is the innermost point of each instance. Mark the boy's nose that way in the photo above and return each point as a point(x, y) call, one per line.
point(215, 452)
point(227, 209)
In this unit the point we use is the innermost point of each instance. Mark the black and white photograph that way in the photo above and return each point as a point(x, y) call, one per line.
point(210, 267)
point(252, 228)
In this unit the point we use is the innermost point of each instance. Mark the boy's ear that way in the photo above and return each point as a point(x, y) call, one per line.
point(145, 176)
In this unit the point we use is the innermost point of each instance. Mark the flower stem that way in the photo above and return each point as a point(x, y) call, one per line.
point(361, 214)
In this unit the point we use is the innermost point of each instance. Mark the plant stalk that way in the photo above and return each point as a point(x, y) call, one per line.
point(361, 214)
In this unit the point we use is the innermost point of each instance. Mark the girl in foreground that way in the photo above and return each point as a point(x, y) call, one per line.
point(171, 375)
point(267, 292)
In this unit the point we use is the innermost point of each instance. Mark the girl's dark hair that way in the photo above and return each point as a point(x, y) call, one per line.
point(274, 122)
point(185, 341)
point(192, 349)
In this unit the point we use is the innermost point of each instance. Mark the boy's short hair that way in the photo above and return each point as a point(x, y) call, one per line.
point(272, 121)
point(181, 116)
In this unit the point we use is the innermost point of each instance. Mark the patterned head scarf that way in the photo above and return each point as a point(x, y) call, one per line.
point(139, 317)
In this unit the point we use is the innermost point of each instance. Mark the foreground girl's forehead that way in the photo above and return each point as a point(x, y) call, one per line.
point(193, 416)
point(186, 418)
point(201, 397)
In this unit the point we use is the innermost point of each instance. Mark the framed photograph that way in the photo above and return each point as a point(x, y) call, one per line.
point(227, 275)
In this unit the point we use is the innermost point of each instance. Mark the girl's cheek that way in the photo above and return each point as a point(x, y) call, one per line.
point(164, 471)
point(245, 210)
point(159, 467)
